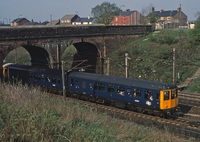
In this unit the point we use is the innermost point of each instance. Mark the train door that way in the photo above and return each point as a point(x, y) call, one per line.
point(90, 88)
point(165, 99)
point(174, 98)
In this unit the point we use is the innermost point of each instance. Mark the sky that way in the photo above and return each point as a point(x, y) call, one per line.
point(42, 10)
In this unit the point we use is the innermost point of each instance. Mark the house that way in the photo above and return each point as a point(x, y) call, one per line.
point(84, 21)
point(68, 19)
point(170, 18)
point(32, 23)
point(53, 23)
point(19, 22)
point(128, 18)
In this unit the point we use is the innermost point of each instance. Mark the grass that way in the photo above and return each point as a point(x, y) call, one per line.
point(29, 115)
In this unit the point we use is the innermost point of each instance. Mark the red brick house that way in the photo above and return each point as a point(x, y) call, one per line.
point(19, 22)
point(128, 18)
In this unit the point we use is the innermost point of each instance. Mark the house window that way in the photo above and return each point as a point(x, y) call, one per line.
point(124, 18)
point(116, 18)
point(168, 18)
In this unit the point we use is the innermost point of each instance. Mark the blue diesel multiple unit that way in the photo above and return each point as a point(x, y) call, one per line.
point(140, 95)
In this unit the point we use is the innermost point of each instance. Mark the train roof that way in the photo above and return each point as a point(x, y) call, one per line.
point(123, 81)
point(35, 69)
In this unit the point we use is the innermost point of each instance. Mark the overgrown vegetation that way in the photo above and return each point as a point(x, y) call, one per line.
point(18, 56)
point(152, 57)
point(26, 114)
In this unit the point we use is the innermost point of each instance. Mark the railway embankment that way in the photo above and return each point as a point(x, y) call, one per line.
point(30, 115)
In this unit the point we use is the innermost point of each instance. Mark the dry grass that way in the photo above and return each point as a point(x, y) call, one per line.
point(26, 114)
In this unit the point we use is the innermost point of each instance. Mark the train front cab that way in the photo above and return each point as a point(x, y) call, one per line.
point(168, 100)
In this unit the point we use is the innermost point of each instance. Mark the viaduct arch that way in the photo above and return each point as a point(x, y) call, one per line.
point(47, 44)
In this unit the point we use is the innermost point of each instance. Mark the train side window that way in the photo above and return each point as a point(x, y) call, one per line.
point(35, 76)
point(39, 77)
point(158, 96)
point(42, 76)
point(166, 95)
point(137, 93)
point(30, 75)
point(53, 79)
point(47, 79)
point(173, 94)
point(96, 86)
point(58, 80)
point(176, 93)
point(72, 82)
point(101, 87)
point(120, 90)
point(148, 95)
point(83, 84)
point(76, 84)
point(128, 91)
point(90, 84)
point(111, 88)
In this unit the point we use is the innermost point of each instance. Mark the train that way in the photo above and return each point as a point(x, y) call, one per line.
point(144, 96)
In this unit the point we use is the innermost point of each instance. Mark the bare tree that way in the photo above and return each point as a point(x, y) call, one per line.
point(198, 15)
point(145, 12)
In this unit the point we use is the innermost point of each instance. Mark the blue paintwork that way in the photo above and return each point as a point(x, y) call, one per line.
point(114, 96)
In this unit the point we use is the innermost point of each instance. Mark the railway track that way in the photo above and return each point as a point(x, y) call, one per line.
point(189, 99)
point(184, 127)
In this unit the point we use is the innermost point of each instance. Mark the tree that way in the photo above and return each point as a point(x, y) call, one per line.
point(153, 17)
point(198, 16)
point(105, 12)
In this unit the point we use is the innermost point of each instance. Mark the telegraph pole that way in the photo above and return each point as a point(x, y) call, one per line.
point(174, 71)
point(63, 80)
point(108, 67)
point(126, 64)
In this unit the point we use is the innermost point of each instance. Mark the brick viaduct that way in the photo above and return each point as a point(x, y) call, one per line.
point(46, 44)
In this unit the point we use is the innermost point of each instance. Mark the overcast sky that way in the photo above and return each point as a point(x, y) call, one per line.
point(41, 10)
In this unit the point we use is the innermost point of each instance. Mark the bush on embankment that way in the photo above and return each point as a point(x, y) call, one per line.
point(152, 56)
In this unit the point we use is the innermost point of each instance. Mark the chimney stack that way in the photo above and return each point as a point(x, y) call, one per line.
point(179, 9)
point(153, 9)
